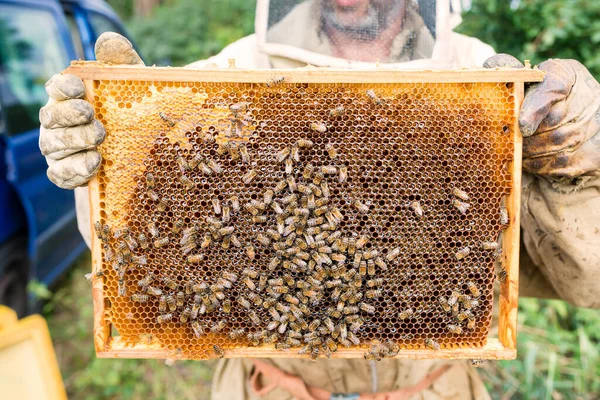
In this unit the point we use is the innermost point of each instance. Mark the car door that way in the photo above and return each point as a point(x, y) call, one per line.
point(34, 45)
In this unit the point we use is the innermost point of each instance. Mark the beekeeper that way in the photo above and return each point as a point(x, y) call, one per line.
point(559, 120)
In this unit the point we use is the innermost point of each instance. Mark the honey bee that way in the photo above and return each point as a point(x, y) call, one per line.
point(405, 314)
point(235, 241)
point(234, 151)
point(179, 299)
point(318, 127)
point(170, 283)
point(171, 302)
point(105, 233)
point(278, 80)
point(153, 230)
point(374, 293)
point(478, 363)
point(121, 233)
point(236, 108)
point(237, 333)
point(462, 253)
point(249, 283)
point(489, 245)
point(94, 275)
point(263, 239)
point(187, 182)
point(206, 170)
point(471, 323)
point(162, 303)
point(295, 153)
point(234, 201)
point(161, 319)
point(254, 318)
point(223, 148)
point(153, 195)
point(473, 289)
point(162, 205)
point(98, 229)
point(228, 230)
point(226, 306)
point(503, 215)
point(461, 206)
point(146, 280)
point(456, 329)
point(374, 98)
point(432, 344)
point(381, 264)
point(196, 160)
point(198, 329)
point(140, 298)
point(367, 308)
point(393, 254)
point(215, 167)
point(361, 207)
point(337, 111)
point(185, 315)
point(249, 176)
point(219, 326)
point(416, 207)
point(328, 170)
point(159, 243)
point(444, 303)
point(166, 118)
point(461, 194)
point(375, 282)
point(453, 298)
point(255, 298)
point(502, 275)
point(219, 353)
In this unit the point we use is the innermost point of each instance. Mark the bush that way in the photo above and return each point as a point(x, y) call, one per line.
point(185, 31)
point(538, 29)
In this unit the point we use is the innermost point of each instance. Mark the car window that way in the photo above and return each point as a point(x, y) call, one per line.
point(75, 35)
point(31, 51)
point(101, 24)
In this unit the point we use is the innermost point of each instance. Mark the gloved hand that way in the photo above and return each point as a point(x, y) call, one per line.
point(69, 133)
point(559, 120)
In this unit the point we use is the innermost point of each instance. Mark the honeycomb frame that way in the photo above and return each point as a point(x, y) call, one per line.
point(512, 81)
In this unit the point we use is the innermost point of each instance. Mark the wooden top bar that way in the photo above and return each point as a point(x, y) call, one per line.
point(96, 71)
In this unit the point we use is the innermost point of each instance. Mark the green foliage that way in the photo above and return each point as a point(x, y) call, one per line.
point(558, 354)
point(537, 30)
point(122, 7)
point(191, 30)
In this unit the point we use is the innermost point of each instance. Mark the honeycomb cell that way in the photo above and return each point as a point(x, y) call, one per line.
point(333, 260)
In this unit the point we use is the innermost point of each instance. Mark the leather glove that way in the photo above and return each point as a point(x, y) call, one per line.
point(560, 121)
point(69, 133)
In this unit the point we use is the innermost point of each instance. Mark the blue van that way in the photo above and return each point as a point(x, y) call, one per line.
point(38, 226)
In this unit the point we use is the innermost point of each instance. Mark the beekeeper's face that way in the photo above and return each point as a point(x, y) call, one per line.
point(361, 19)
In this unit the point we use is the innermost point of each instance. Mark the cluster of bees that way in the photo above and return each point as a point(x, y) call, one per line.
point(319, 287)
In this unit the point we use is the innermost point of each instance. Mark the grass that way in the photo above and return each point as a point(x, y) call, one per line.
point(558, 347)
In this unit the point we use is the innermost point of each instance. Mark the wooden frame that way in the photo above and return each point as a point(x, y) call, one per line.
point(503, 347)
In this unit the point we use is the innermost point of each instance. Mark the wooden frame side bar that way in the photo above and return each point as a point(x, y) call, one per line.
point(94, 70)
point(509, 290)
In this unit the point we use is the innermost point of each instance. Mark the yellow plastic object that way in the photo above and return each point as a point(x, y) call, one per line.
point(28, 366)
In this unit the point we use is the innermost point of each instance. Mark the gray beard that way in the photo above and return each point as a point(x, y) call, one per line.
point(366, 29)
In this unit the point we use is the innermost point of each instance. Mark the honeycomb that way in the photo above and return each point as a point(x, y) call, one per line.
point(301, 215)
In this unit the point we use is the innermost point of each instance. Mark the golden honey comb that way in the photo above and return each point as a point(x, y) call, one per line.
point(416, 172)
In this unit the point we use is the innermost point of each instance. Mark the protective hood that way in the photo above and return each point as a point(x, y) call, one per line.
point(357, 33)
